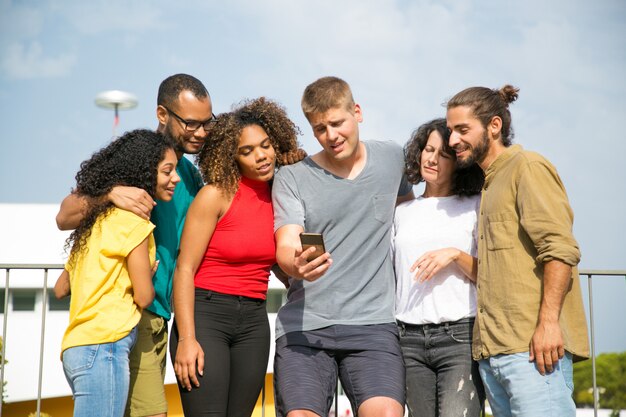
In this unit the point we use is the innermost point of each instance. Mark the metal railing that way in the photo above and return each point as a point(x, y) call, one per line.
point(46, 267)
point(590, 274)
point(8, 268)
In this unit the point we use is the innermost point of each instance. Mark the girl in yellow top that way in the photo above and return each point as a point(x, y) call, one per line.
point(109, 271)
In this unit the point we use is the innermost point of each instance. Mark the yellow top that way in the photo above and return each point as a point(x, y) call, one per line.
point(102, 309)
point(525, 220)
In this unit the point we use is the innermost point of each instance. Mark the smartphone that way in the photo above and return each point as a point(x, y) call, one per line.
point(312, 239)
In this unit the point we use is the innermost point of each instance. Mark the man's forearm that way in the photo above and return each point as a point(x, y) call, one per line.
point(546, 345)
point(71, 212)
point(284, 259)
point(557, 279)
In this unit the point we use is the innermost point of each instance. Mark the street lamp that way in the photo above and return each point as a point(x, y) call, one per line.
point(116, 100)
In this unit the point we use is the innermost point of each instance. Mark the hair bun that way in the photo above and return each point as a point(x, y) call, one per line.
point(508, 93)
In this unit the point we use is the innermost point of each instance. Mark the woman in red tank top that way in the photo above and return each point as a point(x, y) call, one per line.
point(220, 337)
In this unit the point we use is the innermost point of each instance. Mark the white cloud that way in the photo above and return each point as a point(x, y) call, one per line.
point(27, 61)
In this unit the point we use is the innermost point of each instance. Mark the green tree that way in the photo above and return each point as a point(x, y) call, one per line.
point(610, 375)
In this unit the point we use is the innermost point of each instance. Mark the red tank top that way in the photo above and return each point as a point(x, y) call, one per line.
point(242, 249)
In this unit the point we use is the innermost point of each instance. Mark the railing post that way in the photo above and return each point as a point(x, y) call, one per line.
point(44, 307)
point(596, 400)
point(4, 336)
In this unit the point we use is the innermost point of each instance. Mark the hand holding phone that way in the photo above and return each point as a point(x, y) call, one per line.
point(308, 240)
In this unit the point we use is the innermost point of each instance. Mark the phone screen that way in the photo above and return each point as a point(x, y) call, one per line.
point(312, 240)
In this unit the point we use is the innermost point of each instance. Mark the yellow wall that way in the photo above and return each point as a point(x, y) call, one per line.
point(63, 406)
point(176, 410)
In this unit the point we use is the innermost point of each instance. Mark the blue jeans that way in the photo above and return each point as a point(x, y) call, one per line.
point(99, 376)
point(516, 388)
point(441, 377)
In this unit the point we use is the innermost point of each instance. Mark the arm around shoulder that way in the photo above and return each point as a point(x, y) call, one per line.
point(133, 199)
point(71, 212)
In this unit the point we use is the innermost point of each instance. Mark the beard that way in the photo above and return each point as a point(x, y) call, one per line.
point(176, 139)
point(477, 154)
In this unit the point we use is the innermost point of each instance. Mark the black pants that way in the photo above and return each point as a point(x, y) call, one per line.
point(235, 336)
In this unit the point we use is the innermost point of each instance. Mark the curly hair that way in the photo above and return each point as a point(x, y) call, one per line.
point(216, 159)
point(129, 160)
point(465, 181)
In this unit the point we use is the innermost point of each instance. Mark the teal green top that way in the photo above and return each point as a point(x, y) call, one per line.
point(169, 219)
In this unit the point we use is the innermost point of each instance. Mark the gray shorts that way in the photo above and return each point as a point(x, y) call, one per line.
point(367, 359)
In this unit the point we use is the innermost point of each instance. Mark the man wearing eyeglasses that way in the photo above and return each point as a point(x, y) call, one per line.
point(184, 112)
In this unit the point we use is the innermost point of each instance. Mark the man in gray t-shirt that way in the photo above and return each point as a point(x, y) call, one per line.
point(339, 317)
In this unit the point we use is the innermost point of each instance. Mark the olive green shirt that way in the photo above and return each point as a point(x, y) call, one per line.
point(525, 220)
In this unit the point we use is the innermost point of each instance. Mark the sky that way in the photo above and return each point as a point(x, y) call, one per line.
point(403, 60)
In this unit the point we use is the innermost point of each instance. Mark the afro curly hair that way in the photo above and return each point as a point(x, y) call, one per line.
point(129, 160)
point(216, 160)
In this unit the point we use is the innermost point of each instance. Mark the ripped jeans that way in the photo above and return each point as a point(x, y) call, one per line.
point(441, 377)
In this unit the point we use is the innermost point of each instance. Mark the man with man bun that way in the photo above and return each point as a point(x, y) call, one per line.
point(530, 324)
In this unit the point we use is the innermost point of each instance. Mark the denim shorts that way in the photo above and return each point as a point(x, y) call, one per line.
point(99, 376)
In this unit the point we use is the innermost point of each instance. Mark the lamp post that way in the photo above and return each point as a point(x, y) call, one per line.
point(116, 100)
point(596, 391)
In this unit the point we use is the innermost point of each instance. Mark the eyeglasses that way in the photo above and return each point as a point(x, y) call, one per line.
point(193, 125)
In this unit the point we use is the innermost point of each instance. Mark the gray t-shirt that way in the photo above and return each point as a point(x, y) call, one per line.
point(355, 217)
